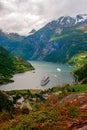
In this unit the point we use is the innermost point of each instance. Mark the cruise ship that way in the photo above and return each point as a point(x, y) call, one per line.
point(44, 81)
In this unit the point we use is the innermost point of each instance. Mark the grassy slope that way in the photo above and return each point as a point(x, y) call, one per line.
point(78, 60)
point(59, 37)
point(21, 65)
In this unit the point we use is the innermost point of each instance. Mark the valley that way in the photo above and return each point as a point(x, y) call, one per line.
point(57, 50)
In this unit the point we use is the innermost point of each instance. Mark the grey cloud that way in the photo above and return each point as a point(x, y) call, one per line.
point(23, 15)
point(1, 6)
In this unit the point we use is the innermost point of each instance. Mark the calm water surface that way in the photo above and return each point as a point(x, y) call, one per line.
point(59, 74)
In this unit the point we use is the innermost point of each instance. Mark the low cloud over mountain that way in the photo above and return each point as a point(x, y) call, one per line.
point(21, 16)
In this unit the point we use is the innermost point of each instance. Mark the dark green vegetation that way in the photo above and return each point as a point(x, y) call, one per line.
point(80, 63)
point(6, 66)
point(77, 88)
point(6, 104)
point(10, 65)
point(81, 74)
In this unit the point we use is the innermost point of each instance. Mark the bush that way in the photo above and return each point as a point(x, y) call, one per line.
point(4, 116)
point(73, 111)
point(25, 110)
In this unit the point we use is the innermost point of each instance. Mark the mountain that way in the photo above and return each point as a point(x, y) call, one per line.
point(58, 41)
point(14, 36)
point(13, 43)
point(10, 65)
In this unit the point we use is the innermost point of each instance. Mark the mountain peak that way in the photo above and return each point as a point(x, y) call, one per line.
point(66, 21)
point(32, 31)
point(2, 33)
point(81, 18)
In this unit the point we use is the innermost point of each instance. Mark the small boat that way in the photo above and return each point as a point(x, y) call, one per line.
point(44, 81)
point(58, 69)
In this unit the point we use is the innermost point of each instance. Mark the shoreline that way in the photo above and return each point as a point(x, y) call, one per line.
point(75, 77)
point(32, 79)
point(11, 79)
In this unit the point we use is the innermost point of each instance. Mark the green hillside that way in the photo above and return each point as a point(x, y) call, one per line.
point(80, 63)
point(10, 65)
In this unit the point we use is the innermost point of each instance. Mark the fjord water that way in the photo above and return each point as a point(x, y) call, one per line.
point(59, 74)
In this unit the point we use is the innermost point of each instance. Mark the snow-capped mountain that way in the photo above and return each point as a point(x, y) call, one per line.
point(66, 21)
point(72, 21)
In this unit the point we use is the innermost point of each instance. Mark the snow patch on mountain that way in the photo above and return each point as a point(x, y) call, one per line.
point(58, 31)
point(80, 18)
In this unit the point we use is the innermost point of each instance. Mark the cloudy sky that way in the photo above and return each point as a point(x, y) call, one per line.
point(21, 16)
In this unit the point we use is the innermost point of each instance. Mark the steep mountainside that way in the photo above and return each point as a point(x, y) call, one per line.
point(10, 65)
point(82, 74)
point(78, 60)
point(58, 41)
point(13, 43)
point(80, 63)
